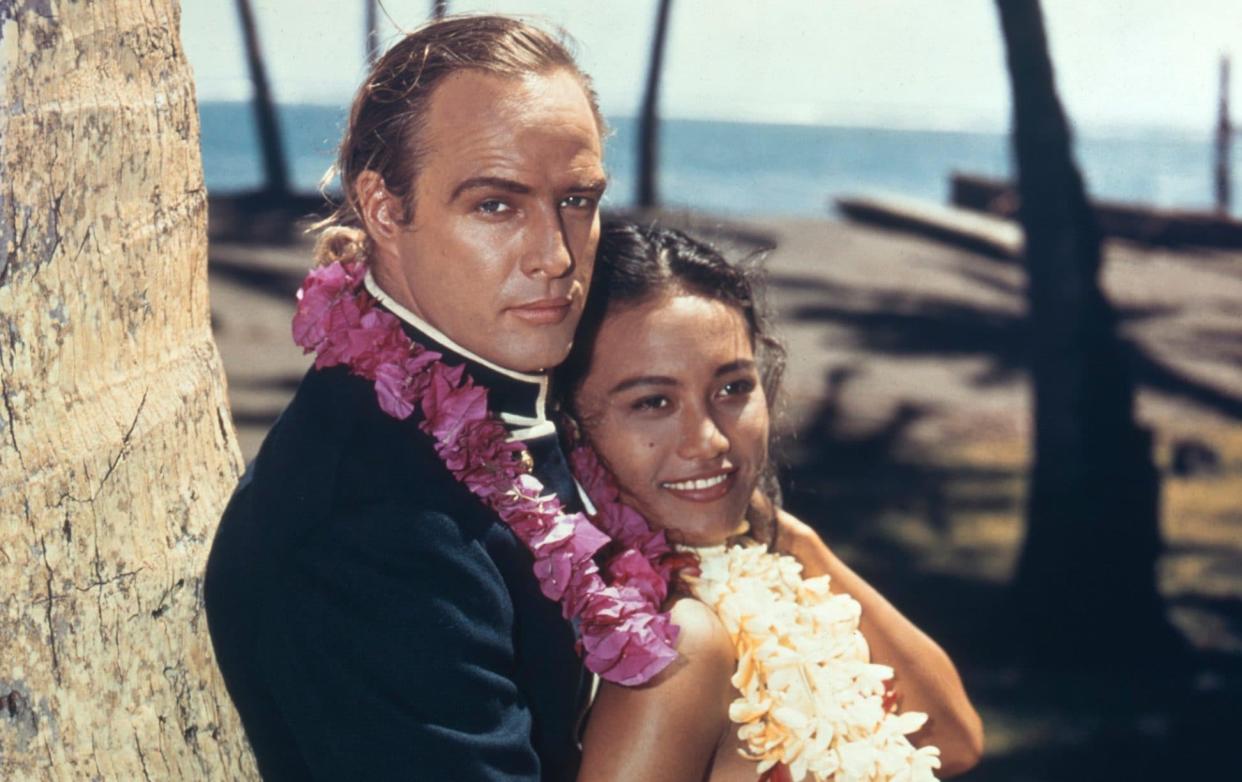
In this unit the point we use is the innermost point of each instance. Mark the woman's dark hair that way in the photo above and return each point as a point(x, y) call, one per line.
point(635, 264)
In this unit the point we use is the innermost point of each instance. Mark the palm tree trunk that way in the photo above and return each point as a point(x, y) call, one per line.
point(1086, 577)
point(275, 168)
point(649, 121)
point(371, 45)
point(1224, 139)
point(117, 453)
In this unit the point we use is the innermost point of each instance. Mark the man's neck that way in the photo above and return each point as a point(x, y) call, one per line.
point(522, 396)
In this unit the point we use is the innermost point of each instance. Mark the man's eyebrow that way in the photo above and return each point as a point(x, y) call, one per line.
point(494, 182)
point(735, 366)
point(644, 380)
point(595, 186)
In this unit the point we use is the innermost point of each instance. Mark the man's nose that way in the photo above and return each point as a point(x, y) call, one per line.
point(702, 438)
point(549, 252)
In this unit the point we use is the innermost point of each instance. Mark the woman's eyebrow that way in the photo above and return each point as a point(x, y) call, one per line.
point(644, 380)
point(735, 366)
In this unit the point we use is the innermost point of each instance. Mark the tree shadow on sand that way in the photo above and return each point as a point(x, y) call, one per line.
point(914, 325)
point(893, 506)
point(277, 284)
point(849, 485)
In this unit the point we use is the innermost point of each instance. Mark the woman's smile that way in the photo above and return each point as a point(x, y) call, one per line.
point(703, 489)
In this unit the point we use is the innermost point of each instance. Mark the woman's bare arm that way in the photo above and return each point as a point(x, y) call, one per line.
point(667, 730)
point(926, 678)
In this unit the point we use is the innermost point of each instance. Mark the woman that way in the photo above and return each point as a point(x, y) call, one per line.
point(669, 383)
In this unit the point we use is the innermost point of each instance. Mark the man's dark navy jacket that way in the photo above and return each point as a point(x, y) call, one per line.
point(372, 618)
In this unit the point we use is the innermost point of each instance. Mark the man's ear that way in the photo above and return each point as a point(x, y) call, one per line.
point(381, 211)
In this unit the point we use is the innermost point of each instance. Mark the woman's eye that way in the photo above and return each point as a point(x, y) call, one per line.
point(650, 403)
point(492, 206)
point(737, 387)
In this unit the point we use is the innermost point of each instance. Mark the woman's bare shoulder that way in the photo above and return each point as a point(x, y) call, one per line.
point(671, 726)
point(702, 640)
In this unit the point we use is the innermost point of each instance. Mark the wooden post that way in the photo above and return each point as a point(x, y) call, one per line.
point(649, 121)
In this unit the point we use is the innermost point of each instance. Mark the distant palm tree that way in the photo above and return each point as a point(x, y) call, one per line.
point(649, 121)
point(1224, 138)
point(1086, 582)
point(275, 168)
point(371, 44)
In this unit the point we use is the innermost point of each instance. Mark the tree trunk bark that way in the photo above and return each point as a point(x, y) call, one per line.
point(117, 453)
point(1086, 584)
point(649, 121)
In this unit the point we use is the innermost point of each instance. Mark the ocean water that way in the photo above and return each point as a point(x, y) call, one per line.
point(744, 168)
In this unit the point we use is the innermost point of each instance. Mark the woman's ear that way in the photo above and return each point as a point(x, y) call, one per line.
point(573, 430)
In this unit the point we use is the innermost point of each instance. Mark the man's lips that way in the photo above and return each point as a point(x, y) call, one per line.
point(703, 488)
point(543, 312)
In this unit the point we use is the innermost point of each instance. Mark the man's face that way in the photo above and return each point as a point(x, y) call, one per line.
point(506, 221)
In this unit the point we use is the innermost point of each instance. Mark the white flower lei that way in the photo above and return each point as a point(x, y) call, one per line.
point(811, 698)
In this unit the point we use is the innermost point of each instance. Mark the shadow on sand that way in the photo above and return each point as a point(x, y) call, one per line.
point(894, 507)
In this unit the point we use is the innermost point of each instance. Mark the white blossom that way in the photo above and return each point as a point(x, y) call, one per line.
point(810, 697)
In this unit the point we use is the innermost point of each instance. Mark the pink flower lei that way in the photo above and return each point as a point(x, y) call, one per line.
point(624, 636)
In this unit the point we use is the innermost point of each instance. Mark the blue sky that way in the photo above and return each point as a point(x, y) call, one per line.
point(893, 63)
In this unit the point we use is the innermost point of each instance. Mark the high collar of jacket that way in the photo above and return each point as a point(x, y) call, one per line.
point(519, 398)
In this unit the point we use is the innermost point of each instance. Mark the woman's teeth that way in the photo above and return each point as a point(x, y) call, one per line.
point(701, 483)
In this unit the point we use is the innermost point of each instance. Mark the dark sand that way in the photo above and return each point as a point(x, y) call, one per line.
point(906, 436)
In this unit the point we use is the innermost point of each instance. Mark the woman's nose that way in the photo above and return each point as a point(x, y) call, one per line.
point(703, 438)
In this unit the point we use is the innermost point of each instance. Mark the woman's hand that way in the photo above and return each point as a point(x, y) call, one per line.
point(926, 679)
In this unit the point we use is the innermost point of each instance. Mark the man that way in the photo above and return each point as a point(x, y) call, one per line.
point(372, 618)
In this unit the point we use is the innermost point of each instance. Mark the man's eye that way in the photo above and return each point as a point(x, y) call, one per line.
point(492, 206)
point(650, 403)
point(577, 202)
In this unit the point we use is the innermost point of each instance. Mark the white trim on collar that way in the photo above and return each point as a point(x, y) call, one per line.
point(409, 317)
point(541, 429)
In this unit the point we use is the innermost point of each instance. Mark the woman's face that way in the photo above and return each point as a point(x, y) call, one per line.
point(675, 408)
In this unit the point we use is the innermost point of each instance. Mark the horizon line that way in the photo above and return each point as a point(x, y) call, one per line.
point(1110, 129)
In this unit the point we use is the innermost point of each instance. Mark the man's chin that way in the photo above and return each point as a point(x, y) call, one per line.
point(535, 348)
point(533, 356)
